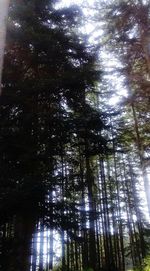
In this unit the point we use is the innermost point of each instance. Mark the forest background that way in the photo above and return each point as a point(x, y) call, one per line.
point(75, 137)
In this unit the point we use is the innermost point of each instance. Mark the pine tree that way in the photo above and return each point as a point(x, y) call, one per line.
point(47, 71)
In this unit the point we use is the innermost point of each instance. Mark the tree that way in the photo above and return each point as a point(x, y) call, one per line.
point(69, 161)
point(3, 22)
point(121, 23)
point(130, 27)
point(47, 71)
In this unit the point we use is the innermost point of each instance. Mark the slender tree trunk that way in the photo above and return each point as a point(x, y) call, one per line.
point(84, 246)
point(41, 263)
point(92, 241)
point(51, 237)
point(34, 250)
point(141, 155)
point(118, 240)
point(4, 4)
point(51, 250)
point(76, 256)
point(142, 244)
point(20, 255)
point(6, 237)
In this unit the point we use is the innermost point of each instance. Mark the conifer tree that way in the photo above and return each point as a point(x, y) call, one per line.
point(47, 71)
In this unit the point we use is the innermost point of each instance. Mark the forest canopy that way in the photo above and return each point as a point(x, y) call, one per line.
point(75, 137)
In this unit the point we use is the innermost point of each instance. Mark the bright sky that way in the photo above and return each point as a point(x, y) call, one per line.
point(68, 2)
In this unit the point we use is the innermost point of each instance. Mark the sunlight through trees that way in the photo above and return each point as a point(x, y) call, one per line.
point(74, 109)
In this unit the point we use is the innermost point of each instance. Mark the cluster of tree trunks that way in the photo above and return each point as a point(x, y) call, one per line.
point(69, 178)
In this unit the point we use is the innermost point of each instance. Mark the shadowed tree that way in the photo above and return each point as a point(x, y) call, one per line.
point(47, 71)
point(4, 4)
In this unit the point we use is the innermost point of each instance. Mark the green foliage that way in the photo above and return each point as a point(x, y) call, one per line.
point(145, 265)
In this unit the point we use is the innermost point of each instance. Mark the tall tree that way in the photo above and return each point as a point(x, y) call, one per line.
point(4, 4)
point(120, 24)
point(130, 28)
point(47, 71)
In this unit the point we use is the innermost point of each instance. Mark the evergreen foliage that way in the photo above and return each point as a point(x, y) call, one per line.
point(71, 165)
point(47, 72)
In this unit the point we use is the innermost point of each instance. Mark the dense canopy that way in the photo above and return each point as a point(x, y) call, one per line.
point(74, 184)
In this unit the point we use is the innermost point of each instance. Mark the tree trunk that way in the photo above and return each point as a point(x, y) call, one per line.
point(142, 161)
point(92, 241)
point(20, 256)
point(4, 4)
